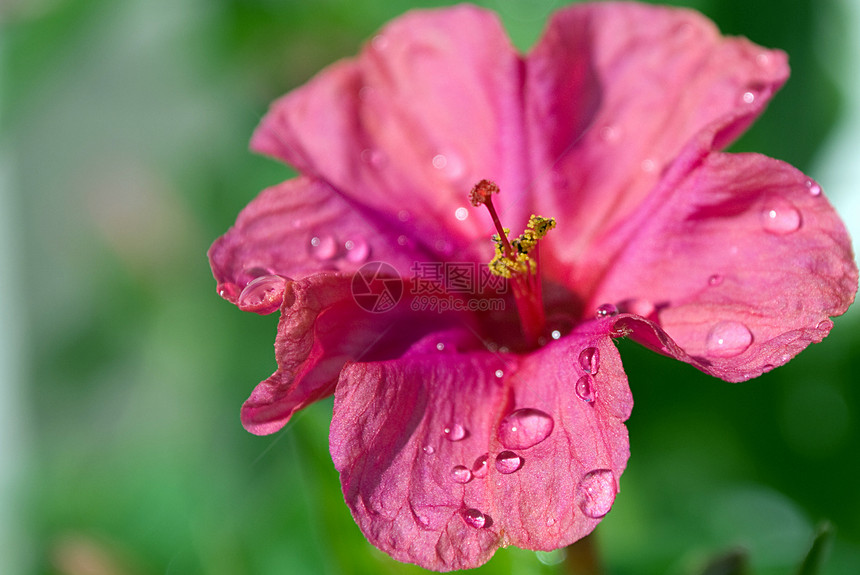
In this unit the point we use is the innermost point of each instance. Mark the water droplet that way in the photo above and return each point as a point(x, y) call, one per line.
point(550, 522)
point(556, 334)
point(508, 462)
point(648, 165)
point(403, 215)
point(480, 468)
point(357, 249)
point(402, 241)
point(589, 360)
point(372, 157)
point(455, 432)
point(780, 217)
point(461, 213)
point(525, 428)
point(439, 161)
point(429, 450)
point(762, 59)
point(825, 325)
point(610, 134)
point(748, 97)
point(606, 310)
point(440, 346)
point(474, 518)
point(263, 295)
point(499, 373)
point(585, 388)
point(728, 339)
point(813, 187)
point(461, 474)
point(323, 247)
point(379, 42)
point(715, 280)
point(595, 493)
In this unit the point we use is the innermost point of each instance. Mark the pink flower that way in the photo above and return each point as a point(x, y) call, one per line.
point(448, 444)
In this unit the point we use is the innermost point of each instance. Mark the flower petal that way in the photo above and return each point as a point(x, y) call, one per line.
point(743, 262)
point(442, 461)
point(614, 92)
point(301, 227)
point(431, 106)
point(322, 327)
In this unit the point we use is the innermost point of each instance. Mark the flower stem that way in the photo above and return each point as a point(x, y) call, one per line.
point(582, 557)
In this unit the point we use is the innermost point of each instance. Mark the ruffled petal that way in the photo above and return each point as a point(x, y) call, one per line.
point(298, 228)
point(444, 457)
point(431, 106)
point(742, 261)
point(326, 321)
point(614, 92)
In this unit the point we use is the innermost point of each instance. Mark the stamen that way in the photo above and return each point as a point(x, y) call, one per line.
point(517, 260)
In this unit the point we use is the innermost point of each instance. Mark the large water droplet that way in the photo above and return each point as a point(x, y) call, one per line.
point(461, 474)
point(323, 247)
point(263, 295)
point(474, 518)
point(585, 388)
point(606, 310)
point(728, 339)
point(508, 462)
point(357, 249)
point(481, 466)
point(455, 432)
point(780, 217)
point(589, 360)
point(524, 428)
point(595, 493)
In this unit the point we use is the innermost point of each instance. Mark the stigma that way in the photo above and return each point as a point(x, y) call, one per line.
point(517, 260)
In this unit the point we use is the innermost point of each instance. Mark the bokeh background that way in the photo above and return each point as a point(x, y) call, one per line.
point(123, 153)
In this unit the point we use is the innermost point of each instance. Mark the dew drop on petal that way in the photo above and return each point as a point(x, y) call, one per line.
point(461, 213)
point(323, 247)
point(357, 249)
point(429, 450)
point(440, 346)
point(403, 215)
point(454, 432)
point(474, 518)
point(610, 134)
point(589, 360)
point(715, 280)
point(480, 467)
point(461, 474)
point(813, 187)
point(748, 97)
point(525, 428)
point(508, 462)
point(585, 388)
point(379, 42)
point(780, 218)
point(499, 373)
point(648, 165)
point(606, 310)
point(374, 158)
point(728, 339)
point(595, 493)
point(402, 241)
point(263, 295)
point(556, 334)
point(439, 161)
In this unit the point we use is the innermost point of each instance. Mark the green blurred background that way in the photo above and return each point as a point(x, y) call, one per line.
point(123, 153)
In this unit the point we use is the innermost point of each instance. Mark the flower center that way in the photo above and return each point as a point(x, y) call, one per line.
point(517, 260)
